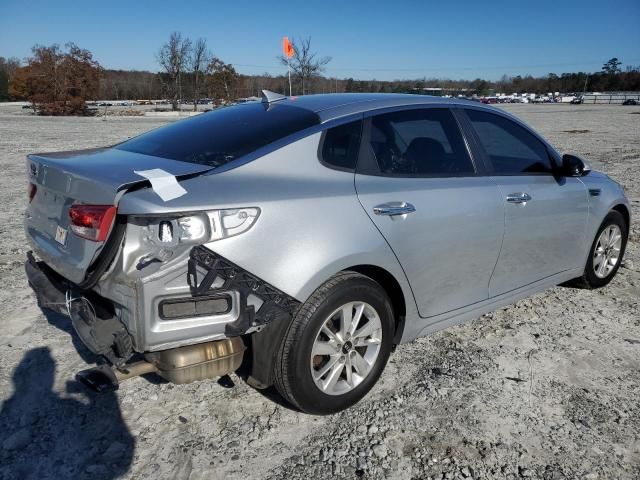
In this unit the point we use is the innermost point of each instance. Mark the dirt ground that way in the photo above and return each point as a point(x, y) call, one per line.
point(547, 388)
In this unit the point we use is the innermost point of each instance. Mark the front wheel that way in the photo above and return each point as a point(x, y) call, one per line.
point(337, 345)
point(606, 251)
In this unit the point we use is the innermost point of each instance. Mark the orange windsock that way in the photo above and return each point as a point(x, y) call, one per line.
point(287, 47)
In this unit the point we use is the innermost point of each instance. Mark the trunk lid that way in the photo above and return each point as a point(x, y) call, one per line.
point(93, 177)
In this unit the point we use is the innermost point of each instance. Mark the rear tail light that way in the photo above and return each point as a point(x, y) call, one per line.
point(31, 191)
point(92, 222)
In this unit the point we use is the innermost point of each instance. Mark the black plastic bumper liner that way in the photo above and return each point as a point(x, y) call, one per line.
point(275, 302)
point(92, 317)
point(49, 287)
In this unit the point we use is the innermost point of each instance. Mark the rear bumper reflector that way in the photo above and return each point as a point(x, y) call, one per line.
point(177, 308)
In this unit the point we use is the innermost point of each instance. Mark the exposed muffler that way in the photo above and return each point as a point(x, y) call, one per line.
point(197, 362)
point(177, 365)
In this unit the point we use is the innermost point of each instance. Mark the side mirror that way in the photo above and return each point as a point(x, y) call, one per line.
point(574, 166)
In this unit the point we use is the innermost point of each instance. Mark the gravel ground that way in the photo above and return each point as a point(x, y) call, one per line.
point(547, 388)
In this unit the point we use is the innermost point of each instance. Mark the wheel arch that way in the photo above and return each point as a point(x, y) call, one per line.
point(390, 285)
point(624, 211)
point(265, 343)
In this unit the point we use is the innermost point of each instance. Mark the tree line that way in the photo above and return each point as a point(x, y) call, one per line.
point(60, 80)
point(57, 80)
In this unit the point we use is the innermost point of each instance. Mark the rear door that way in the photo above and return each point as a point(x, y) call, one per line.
point(444, 220)
point(545, 214)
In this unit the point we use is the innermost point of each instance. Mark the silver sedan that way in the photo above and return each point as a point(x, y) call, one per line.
point(297, 240)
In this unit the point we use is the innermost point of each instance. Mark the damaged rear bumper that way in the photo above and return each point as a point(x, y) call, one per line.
point(50, 288)
point(92, 317)
point(115, 329)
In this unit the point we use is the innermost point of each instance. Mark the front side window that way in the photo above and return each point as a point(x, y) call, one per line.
point(341, 146)
point(218, 137)
point(421, 143)
point(511, 149)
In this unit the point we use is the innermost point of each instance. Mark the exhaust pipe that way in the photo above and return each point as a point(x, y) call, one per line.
point(134, 370)
point(177, 365)
point(105, 378)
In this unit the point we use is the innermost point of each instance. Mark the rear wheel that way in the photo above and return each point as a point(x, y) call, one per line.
point(606, 251)
point(337, 345)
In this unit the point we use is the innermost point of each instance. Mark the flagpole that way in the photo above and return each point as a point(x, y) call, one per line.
point(287, 49)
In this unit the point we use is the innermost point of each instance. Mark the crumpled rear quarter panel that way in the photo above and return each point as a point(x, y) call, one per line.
point(311, 224)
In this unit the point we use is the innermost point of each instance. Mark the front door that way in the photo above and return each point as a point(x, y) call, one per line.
point(545, 214)
point(444, 222)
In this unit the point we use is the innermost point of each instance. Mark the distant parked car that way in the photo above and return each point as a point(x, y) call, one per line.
point(630, 101)
point(26, 106)
point(309, 236)
point(576, 101)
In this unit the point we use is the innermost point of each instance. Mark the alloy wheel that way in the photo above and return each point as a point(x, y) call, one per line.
point(607, 252)
point(345, 348)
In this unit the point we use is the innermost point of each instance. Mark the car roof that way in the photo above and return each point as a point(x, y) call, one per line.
point(335, 105)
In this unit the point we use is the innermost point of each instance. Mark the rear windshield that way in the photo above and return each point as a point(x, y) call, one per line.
point(220, 136)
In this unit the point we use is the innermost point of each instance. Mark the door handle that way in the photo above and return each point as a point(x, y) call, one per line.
point(394, 208)
point(518, 197)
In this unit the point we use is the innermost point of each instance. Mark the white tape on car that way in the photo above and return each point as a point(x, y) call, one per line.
point(163, 183)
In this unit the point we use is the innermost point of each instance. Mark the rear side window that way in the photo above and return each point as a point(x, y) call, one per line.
point(511, 149)
point(220, 136)
point(341, 146)
point(420, 143)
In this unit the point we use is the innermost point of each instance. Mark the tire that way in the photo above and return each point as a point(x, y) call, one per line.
point(594, 275)
point(298, 375)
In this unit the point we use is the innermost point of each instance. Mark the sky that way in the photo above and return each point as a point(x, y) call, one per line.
point(383, 40)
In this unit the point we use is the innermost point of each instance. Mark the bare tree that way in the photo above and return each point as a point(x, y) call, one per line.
point(305, 64)
point(200, 57)
point(222, 80)
point(174, 58)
